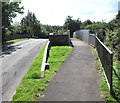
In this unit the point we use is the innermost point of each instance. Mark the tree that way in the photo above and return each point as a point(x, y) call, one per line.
point(87, 22)
point(46, 29)
point(113, 35)
point(71, 24)
point(31, 21)
point(9, 11)
point(97, 28)
point(117, 36)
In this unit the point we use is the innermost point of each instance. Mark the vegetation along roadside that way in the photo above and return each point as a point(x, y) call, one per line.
point(15, 40)
point(102, 81)
point(32, 86)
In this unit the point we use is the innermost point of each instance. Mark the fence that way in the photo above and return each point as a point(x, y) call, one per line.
point(105, 55)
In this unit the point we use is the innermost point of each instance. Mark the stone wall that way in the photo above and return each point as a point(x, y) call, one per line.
point(18, 36)
point(59, 40)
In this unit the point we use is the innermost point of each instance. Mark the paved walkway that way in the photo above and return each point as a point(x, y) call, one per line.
point(76, 79)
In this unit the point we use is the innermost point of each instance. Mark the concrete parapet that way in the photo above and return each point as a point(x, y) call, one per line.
point(59, 40)
point(105, 55)
point(44, 64)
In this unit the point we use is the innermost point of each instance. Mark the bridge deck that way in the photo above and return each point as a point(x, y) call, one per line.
point(76, 79)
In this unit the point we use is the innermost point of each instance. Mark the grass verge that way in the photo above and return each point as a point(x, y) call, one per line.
point(15, 40)
point(102, 81)
point(116, 80)
point(32, 86)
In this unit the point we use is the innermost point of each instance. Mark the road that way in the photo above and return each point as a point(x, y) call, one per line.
point(16, 60)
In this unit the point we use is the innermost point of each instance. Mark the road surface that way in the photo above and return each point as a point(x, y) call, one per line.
point(16, 60)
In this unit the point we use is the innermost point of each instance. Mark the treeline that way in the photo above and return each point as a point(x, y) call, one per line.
point(31, 25)
point(109, 33)
point(28, 24)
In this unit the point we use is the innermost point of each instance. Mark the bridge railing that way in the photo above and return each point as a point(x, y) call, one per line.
point(105, 55)
point(106, 58)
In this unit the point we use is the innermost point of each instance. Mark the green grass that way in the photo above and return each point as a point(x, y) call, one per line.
point(32, 86)
point(116, 79)
point(57, 56)
point(15, 40)
point(102, 81)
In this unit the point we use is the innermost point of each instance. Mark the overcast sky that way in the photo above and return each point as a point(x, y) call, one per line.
point(54, 12)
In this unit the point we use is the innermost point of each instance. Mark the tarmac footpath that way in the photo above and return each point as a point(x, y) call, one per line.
point(77, 77)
